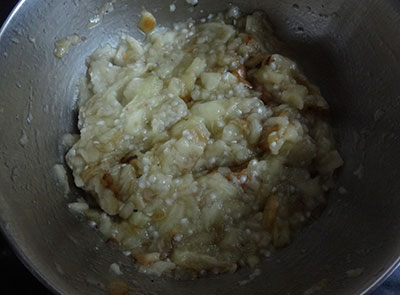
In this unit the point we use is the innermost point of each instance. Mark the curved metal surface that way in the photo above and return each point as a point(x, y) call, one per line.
point(351, 49)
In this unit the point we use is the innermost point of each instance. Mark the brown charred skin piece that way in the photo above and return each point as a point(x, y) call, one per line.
point(238, 175)
point(215, 170)
point(240, 167)
point(139, 258)
point(312, 89)
point(241, 75)
point(270, 213)
point(106, 181)
point(133, 163)
point(302, 81)
point(248, 39)
point(256, 60)
point(266, 97)
point(113, 242)
point(237, 172)
point(268, 60)
point(187, 99)
point(89, 173)
point(218, 233)
point(109, 183)
point(127, 159)
point(263, 143)
point(174, 231)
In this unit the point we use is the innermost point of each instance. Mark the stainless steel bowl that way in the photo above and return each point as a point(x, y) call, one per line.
point(350, 48)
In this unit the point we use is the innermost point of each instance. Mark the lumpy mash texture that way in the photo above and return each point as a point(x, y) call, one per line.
point(203, 146)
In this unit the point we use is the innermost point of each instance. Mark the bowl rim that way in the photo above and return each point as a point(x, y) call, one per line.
point(41, 277)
